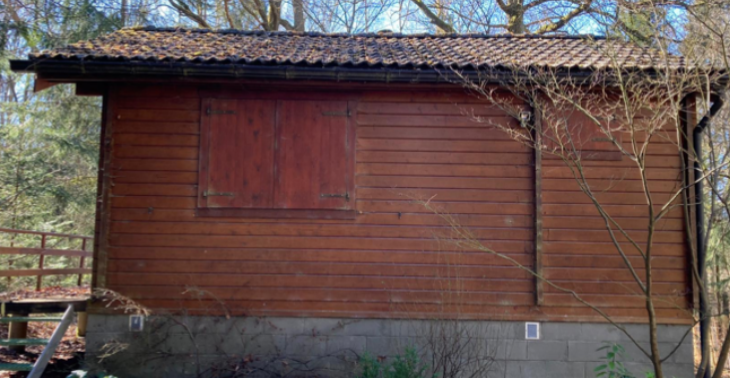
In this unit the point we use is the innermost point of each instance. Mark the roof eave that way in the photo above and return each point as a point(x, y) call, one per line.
point(21, 66)
point(78, 70)
point(107, 71)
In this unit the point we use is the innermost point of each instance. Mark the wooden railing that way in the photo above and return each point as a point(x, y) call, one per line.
point(46, 248)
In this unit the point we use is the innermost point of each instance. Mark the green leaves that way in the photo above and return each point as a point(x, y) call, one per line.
point(409, 365)
point(613, 367)
point(370, 367)
point(49, 149)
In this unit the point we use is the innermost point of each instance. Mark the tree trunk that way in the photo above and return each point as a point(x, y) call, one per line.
point(722, 357)
point(272, 23)
point(298, 15)
point(515, 12)
point(123, 13)
point(516, 21)
point(653, 341)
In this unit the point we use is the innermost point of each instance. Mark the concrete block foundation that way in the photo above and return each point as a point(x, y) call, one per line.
point(204, 346)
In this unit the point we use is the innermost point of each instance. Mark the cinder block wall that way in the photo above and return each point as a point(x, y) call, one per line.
point(192, 346)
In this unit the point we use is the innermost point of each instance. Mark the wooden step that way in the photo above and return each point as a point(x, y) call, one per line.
point(4, 366)
point(30, 319)
point(23, 342)
point(42, 306)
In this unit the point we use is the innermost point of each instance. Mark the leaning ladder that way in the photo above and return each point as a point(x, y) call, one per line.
point(50, 344)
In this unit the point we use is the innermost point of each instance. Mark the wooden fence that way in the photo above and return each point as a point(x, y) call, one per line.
point(46, 248)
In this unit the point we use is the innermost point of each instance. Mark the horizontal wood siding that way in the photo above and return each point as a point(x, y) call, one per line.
point(578, 250)
point(397, 258)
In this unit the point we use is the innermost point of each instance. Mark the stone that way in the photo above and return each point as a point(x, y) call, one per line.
point(346, 345)
point(543, 350)
point(560, 331)
point(332, 346)
point(305, 345)
point(544, 369)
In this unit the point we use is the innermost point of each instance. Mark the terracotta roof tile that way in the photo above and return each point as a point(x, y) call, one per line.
point(461, 51)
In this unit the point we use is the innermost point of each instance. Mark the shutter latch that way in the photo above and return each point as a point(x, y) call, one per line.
point(223, 194)
point(210, 111)
point(345, 195)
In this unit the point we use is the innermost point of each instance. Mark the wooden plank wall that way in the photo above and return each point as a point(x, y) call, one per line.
point(578, 251)
point(396, 259)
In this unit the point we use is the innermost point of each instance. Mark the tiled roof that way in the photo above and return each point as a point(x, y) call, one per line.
point(389, 50)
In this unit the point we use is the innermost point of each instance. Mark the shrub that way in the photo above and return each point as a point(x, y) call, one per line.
point(409, 365)
point(612, 367)
point(371, 368)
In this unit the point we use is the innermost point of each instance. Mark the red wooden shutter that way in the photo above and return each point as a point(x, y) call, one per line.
point(312, 156)
point(237, 154)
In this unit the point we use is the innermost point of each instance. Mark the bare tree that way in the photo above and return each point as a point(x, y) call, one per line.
point(454, 346)
point(517, 16)
point(266, 15)
point(619, 114)
point(350, 16)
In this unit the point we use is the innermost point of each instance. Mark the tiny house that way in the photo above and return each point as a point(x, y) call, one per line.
point(280, 188)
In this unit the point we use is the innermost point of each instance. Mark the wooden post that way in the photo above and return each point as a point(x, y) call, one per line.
point(10, 262)
point(17, 330)
point(81, 262)
point(103, 204)
point(537, 126)
point(82, 319)
point(39, 280)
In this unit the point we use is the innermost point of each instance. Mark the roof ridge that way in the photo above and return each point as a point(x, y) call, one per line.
point(364, 35)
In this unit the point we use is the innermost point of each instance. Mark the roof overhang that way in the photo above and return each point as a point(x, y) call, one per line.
point(78, 70)
point(54, 71)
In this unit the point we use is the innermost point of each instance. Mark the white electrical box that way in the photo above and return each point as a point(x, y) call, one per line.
point(136, 323)
point(532, 331)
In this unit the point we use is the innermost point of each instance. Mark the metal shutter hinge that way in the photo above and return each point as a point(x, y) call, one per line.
point(345, 195)
point(224, 194)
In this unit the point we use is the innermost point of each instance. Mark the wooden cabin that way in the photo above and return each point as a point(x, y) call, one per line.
point(277, 181)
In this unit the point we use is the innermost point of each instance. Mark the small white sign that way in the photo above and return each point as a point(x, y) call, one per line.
point(136, 323)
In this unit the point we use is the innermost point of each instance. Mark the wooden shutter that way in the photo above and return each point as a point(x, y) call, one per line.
point(313, 156)
point(237, 154)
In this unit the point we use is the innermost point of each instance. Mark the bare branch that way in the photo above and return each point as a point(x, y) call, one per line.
point(436, 20)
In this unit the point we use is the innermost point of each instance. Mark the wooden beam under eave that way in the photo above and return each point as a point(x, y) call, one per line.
point(90, 89)
point(43, 84)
